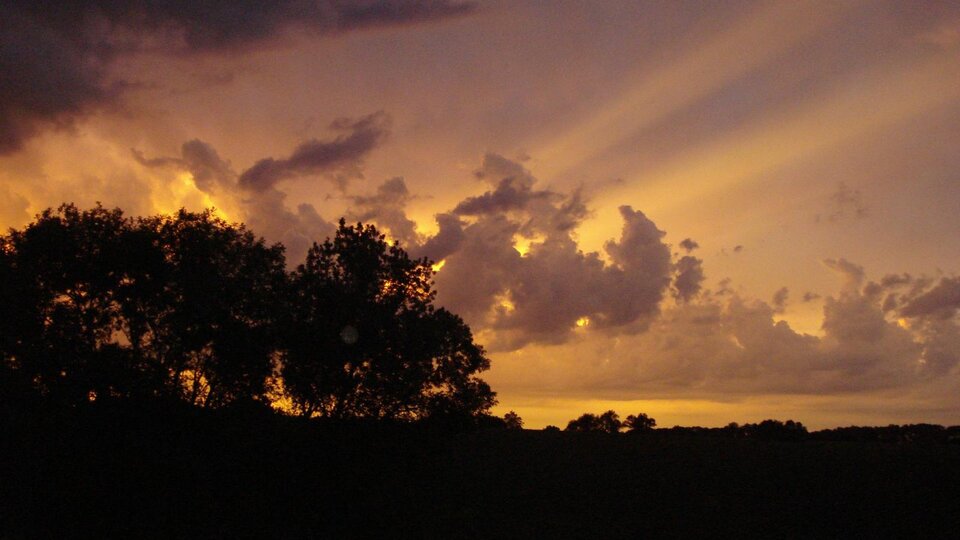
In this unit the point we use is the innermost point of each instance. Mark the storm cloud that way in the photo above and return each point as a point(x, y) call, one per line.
point(343, 154)
point(56, 57)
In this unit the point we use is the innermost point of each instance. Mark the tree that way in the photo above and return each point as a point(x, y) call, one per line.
point(608, 422)
point(211, 326)
point(97, 305)
point(639, 423)
point(364, 339)
point(62, 304)
point(513, 420)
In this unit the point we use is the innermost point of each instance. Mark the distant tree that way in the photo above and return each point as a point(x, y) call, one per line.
point(364, 339)
point(513, 420)
point(775, 430)
point(639, 423)
point(551, 428)
point(608, 422)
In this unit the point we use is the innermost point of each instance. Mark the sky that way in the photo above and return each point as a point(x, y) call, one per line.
point(705, 211)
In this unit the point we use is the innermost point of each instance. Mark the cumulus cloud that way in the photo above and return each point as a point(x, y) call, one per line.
point(265, 211)
point(942, 301)
point(386, 208)
point(56, 56)
point(688, 278)
point(342, 154)
point(513, 267)
point(732, 345)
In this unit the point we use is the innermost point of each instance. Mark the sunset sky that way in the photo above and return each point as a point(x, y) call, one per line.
point(705, 211)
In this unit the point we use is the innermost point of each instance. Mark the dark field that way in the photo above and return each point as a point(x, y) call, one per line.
point(136, 473)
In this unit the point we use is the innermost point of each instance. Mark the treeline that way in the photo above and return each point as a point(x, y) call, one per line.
point(771, 430)
point(97, 306)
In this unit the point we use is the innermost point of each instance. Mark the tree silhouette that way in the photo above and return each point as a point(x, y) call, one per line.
point(63, 275)
point(365, 340)
point(96, 305)
point(639, 423)
point(512, 420)
point(608, 422)
point(211, 325)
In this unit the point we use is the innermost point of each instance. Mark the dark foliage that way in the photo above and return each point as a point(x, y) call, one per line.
point(512, 420)
point(608, 422)
point(365, 339)
point(96, 306)
point(639, 423)
point(146, 469)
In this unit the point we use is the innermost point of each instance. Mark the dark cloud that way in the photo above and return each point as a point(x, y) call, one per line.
point(688, 245)
point(737, 249)
point(779, 301)
point(264, 211)
point(688, 278)
point(845, 203)
point(495, 169)
point(510, 195)
point(268, 215)
point(201, 160)
point(55, 56)
point(852, 274)
point(316, 157)
point(942, 301)
point(47, 80)
point(448, 239)
point(810, 296)
point(386, 209)
point(890, 281)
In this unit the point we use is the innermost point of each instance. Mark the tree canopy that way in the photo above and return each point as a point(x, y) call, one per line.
point(95, 305)
point(366, 340)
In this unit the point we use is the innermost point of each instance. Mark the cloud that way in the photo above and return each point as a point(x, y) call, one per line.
point(688, 245)
point(551, 288)
point(13, 206)
point(853, 274)
point(845, 203)
point(48, 79)
point(723, 347)
point(56, 57)
point(779, 301)
point(343, 153)
point(688, 278)
point(264, 211)
point(942, 301)
point(198, 158)
point(386, 209)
